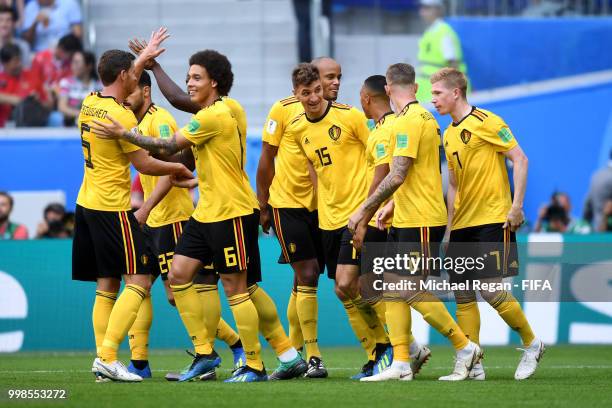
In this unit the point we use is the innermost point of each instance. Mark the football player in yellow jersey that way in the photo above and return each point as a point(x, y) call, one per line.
point(108, 243)
point(224, 226)
point(416, 185)
point(376, 105)
point(333, 136)
point(181, 100)
point(481, 209)
point(164, 214)
point(287, 200)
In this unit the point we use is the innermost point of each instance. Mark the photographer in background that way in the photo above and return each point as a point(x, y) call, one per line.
point(56, 222)
point(556, 216)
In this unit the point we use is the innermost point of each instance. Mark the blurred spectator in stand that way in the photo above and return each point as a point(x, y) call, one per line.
point(606, 219)
point(599, 193)
point(74, 89)
point(559, 210)
point(8, 229)
point(137, 193)
point(301, 9)
point(439, 47)
point(17, 6)
point(54, 64)
point(8, 18)
point(54, 221)
point(21, 91)
point(46, 21)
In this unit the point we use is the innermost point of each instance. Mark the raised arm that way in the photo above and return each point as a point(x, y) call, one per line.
point(171, 91)
point(151, 51)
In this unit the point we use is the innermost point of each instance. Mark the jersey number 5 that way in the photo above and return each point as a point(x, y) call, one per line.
point(86, 146)
point(324, 156)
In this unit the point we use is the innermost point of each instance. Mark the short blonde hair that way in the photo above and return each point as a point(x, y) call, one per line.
point(452, 77)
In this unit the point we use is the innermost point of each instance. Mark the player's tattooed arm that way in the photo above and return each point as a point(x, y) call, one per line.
point(386, 188)
point(157, 146)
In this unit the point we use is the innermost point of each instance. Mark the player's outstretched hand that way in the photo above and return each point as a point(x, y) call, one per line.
point(152, 49)
point(105, 130)
point(516, 217)
point(136, 46)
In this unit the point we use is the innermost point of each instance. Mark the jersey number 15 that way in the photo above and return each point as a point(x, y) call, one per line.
point(324, 156)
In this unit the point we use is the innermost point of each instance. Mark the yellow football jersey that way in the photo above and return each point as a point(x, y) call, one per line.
point(335, 145)
point(177, 205)
point(291, 186)
point(377, 150)
point(106, 182)
point(219, 150)
point(419, 201)
point(474, 150)
point(239, 114)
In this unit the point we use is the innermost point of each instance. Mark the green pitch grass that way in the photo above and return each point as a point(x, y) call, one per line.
point(569, 376)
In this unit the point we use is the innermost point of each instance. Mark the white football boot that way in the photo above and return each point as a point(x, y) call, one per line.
point(529, 361)
point(419, 358)
point(465, 360)
point(477, 373)
point(115, 371)
point(393, 372)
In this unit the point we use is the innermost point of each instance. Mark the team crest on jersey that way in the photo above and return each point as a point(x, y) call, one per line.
point(466, 135)
point(292, 248)
point(334, 132)
point(144, 259)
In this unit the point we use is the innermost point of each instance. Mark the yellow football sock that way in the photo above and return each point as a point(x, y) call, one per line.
point(190, 308)
point(468, 318)
point(103, 305)
point(379, 307)
point(247, 323)
point(399, 322)
point(138, 334)
point(435, 313)
point(211, 308)
point(369, 316)
point(269, 323)
point(120, 320)
point(361, 329)
point(308, 311)
point(226, 334)
point(295, 330)
point(510, 310)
